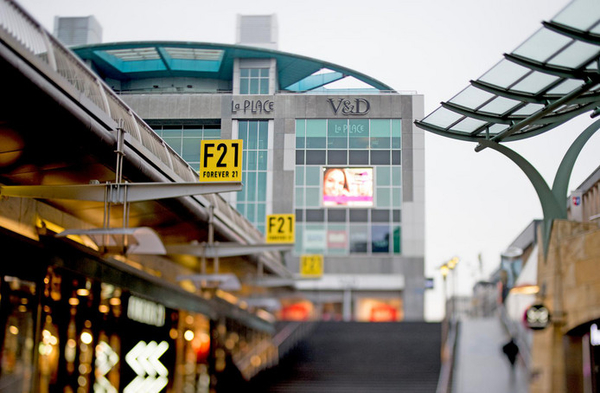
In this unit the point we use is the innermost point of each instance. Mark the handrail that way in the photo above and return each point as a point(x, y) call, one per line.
point(448, 358)
point(27, 37)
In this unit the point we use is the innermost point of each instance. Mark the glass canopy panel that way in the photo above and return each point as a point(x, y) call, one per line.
point(504, 74)
point(542, 45)
point(528, 109)
point(468, 125)
point(497, 128)
point(535, 82)
point(576, 55)
point(580, 14)
point(566, 87)
point(472, 97)
point(442, 118)
point(500, 106)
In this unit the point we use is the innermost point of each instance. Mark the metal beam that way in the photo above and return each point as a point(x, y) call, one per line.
point(570, 32)
point(119, 192)
point(224, 249)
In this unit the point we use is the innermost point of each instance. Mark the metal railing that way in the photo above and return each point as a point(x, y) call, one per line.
point(52, 59)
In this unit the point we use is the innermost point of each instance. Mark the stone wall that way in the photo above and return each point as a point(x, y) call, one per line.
point(569, 280)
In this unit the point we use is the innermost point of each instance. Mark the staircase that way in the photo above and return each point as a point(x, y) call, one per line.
point(359, 357)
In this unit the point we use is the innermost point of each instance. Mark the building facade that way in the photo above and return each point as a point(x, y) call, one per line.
point(295, 132)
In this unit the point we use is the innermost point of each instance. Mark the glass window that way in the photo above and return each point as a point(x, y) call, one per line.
point(380, 134)
point(359, 238)
point(380, 238)
point(397, 240)
point(396, 134)
point(380, 215)
point(299, 175)
point(315, 157)
point(380, 157)
point(397, 215)
point(359, 215)
point(262, 160)
point(263, 135)
point(191, 149)
point(312, 197)
point(383, 197)
point(299, 157)
point(254, 81)
point(315, 215)
point(337, 157)
point(383, 176)
point(298, 244)
point(396, 197)
point(337, 239)
point(358, 133)
point(299, 215)
point(313, 176)
point(337, 133)
point(359, 157)
point(316, 133)
point(396, 176)
point(299, 196)
point(396, 157)
point(251, 160)
point(314, 238)
point(261, 186)
point(336, 215)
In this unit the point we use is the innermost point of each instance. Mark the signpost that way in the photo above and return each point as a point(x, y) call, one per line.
point(311, 265)
point(537, 317)
point(280, 228)
point(221, 160)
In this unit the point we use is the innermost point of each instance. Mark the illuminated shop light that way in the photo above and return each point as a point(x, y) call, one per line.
point(188, 335)
point(86, 338)
point(594, 335)
point(106, 359)
point(145, 311)
point(83, 292)
point(13, 330)
point(151, 373)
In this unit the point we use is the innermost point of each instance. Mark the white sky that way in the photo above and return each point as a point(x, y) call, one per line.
point(475, 202)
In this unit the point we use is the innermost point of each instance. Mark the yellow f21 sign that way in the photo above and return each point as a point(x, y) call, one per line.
point(280, 228)
point(221, 160)
point(311, 265)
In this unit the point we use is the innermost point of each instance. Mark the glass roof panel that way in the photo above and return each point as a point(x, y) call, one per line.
point(195, 53)
point(566, 87)
point(468, 125)
point(528, 109)
point(580, 14)
point(504, 74)
point(442, 117)
point(135, 54)
point(542, 45)
point(576, 55)
point(500, 106)
point(535, 82)
point(472, 97)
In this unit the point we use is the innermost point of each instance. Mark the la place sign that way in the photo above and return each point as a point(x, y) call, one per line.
point(537, 317)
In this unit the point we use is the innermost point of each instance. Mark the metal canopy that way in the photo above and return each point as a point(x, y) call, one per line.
point(549, 79)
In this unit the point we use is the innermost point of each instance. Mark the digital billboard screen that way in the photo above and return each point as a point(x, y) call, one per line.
point(347, 187)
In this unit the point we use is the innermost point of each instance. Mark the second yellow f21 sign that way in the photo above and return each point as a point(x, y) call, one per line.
point(221, 160)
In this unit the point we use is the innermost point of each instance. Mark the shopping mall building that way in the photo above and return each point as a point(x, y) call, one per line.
point(295, 125)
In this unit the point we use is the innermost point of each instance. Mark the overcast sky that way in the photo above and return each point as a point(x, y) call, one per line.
point(475, 202)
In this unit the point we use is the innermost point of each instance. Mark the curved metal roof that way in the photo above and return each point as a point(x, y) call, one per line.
point(137, 60)
point(552, 77)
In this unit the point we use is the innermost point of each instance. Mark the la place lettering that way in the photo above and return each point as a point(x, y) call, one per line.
point(253, 106)
point(347, 107)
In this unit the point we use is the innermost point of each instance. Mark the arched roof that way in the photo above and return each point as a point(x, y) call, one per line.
point(137, 60)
